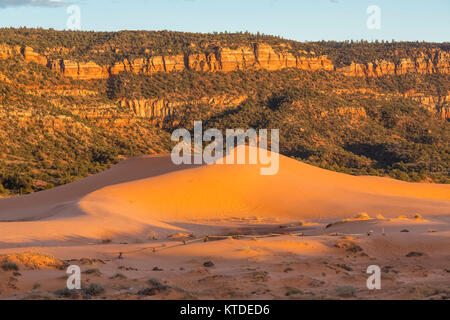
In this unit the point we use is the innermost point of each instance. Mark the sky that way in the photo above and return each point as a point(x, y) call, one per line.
point(301, 20)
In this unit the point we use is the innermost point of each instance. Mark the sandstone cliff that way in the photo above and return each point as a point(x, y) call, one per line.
point(426, 62)
point(433, 103)
point(258, 56)
point(79, 70)
point(166, 108)
point(221, 59)
point(31, 56)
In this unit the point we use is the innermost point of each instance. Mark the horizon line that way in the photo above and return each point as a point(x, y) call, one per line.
point(229, 32)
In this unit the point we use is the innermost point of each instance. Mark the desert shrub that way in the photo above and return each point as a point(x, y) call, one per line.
point(293, 292)
point(67, 293)
point(346, 291)
point(94, 289)
point(93, 271)
point(19, 182)
point(10, 266)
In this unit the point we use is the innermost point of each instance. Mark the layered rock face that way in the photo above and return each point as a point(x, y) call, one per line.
point(84, 70)
point(26, 52)
point(31, 56)
point(79, 70)
point(257, 56)
point(260, 56)
point(73, 69)
point(429, 62)
point(433, 103)
point(166, 108)
point(221, 59)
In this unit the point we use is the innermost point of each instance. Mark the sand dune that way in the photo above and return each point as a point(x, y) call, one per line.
point(150, 197)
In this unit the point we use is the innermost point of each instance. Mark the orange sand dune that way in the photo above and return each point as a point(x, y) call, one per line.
point(150, 197)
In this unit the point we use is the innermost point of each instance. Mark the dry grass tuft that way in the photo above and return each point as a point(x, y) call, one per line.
point(33, 260)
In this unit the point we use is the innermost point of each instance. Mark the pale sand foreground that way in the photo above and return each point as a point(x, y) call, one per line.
point(146, 213)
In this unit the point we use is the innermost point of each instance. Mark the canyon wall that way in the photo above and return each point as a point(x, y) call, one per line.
point(258, 56)
point(432, 103)
point(79, 70)
point(165, 108)
point(433, 61)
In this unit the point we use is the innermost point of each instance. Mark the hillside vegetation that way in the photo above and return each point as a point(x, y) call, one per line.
point(54, 129)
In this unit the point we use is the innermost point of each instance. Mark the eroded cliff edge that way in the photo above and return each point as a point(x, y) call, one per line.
point(222, 59)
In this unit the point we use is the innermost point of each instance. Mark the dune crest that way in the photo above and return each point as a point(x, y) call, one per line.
point(151, 197)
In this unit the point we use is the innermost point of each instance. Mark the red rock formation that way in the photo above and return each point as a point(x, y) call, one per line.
point(268, 59)
point(203, 62)
point(174, 63)
point(257, 56)
point(260, 56)
point(69, 68)
point(28, 53)
point(434, 104)
point(91, 70)
point(79, 70)
point(164, 108)
point(426, 62)
point(31, 56)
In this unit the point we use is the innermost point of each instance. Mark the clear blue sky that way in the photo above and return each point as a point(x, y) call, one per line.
point(301, 20)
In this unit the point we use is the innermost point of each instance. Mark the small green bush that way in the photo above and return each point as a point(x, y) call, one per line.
point(293, 292)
